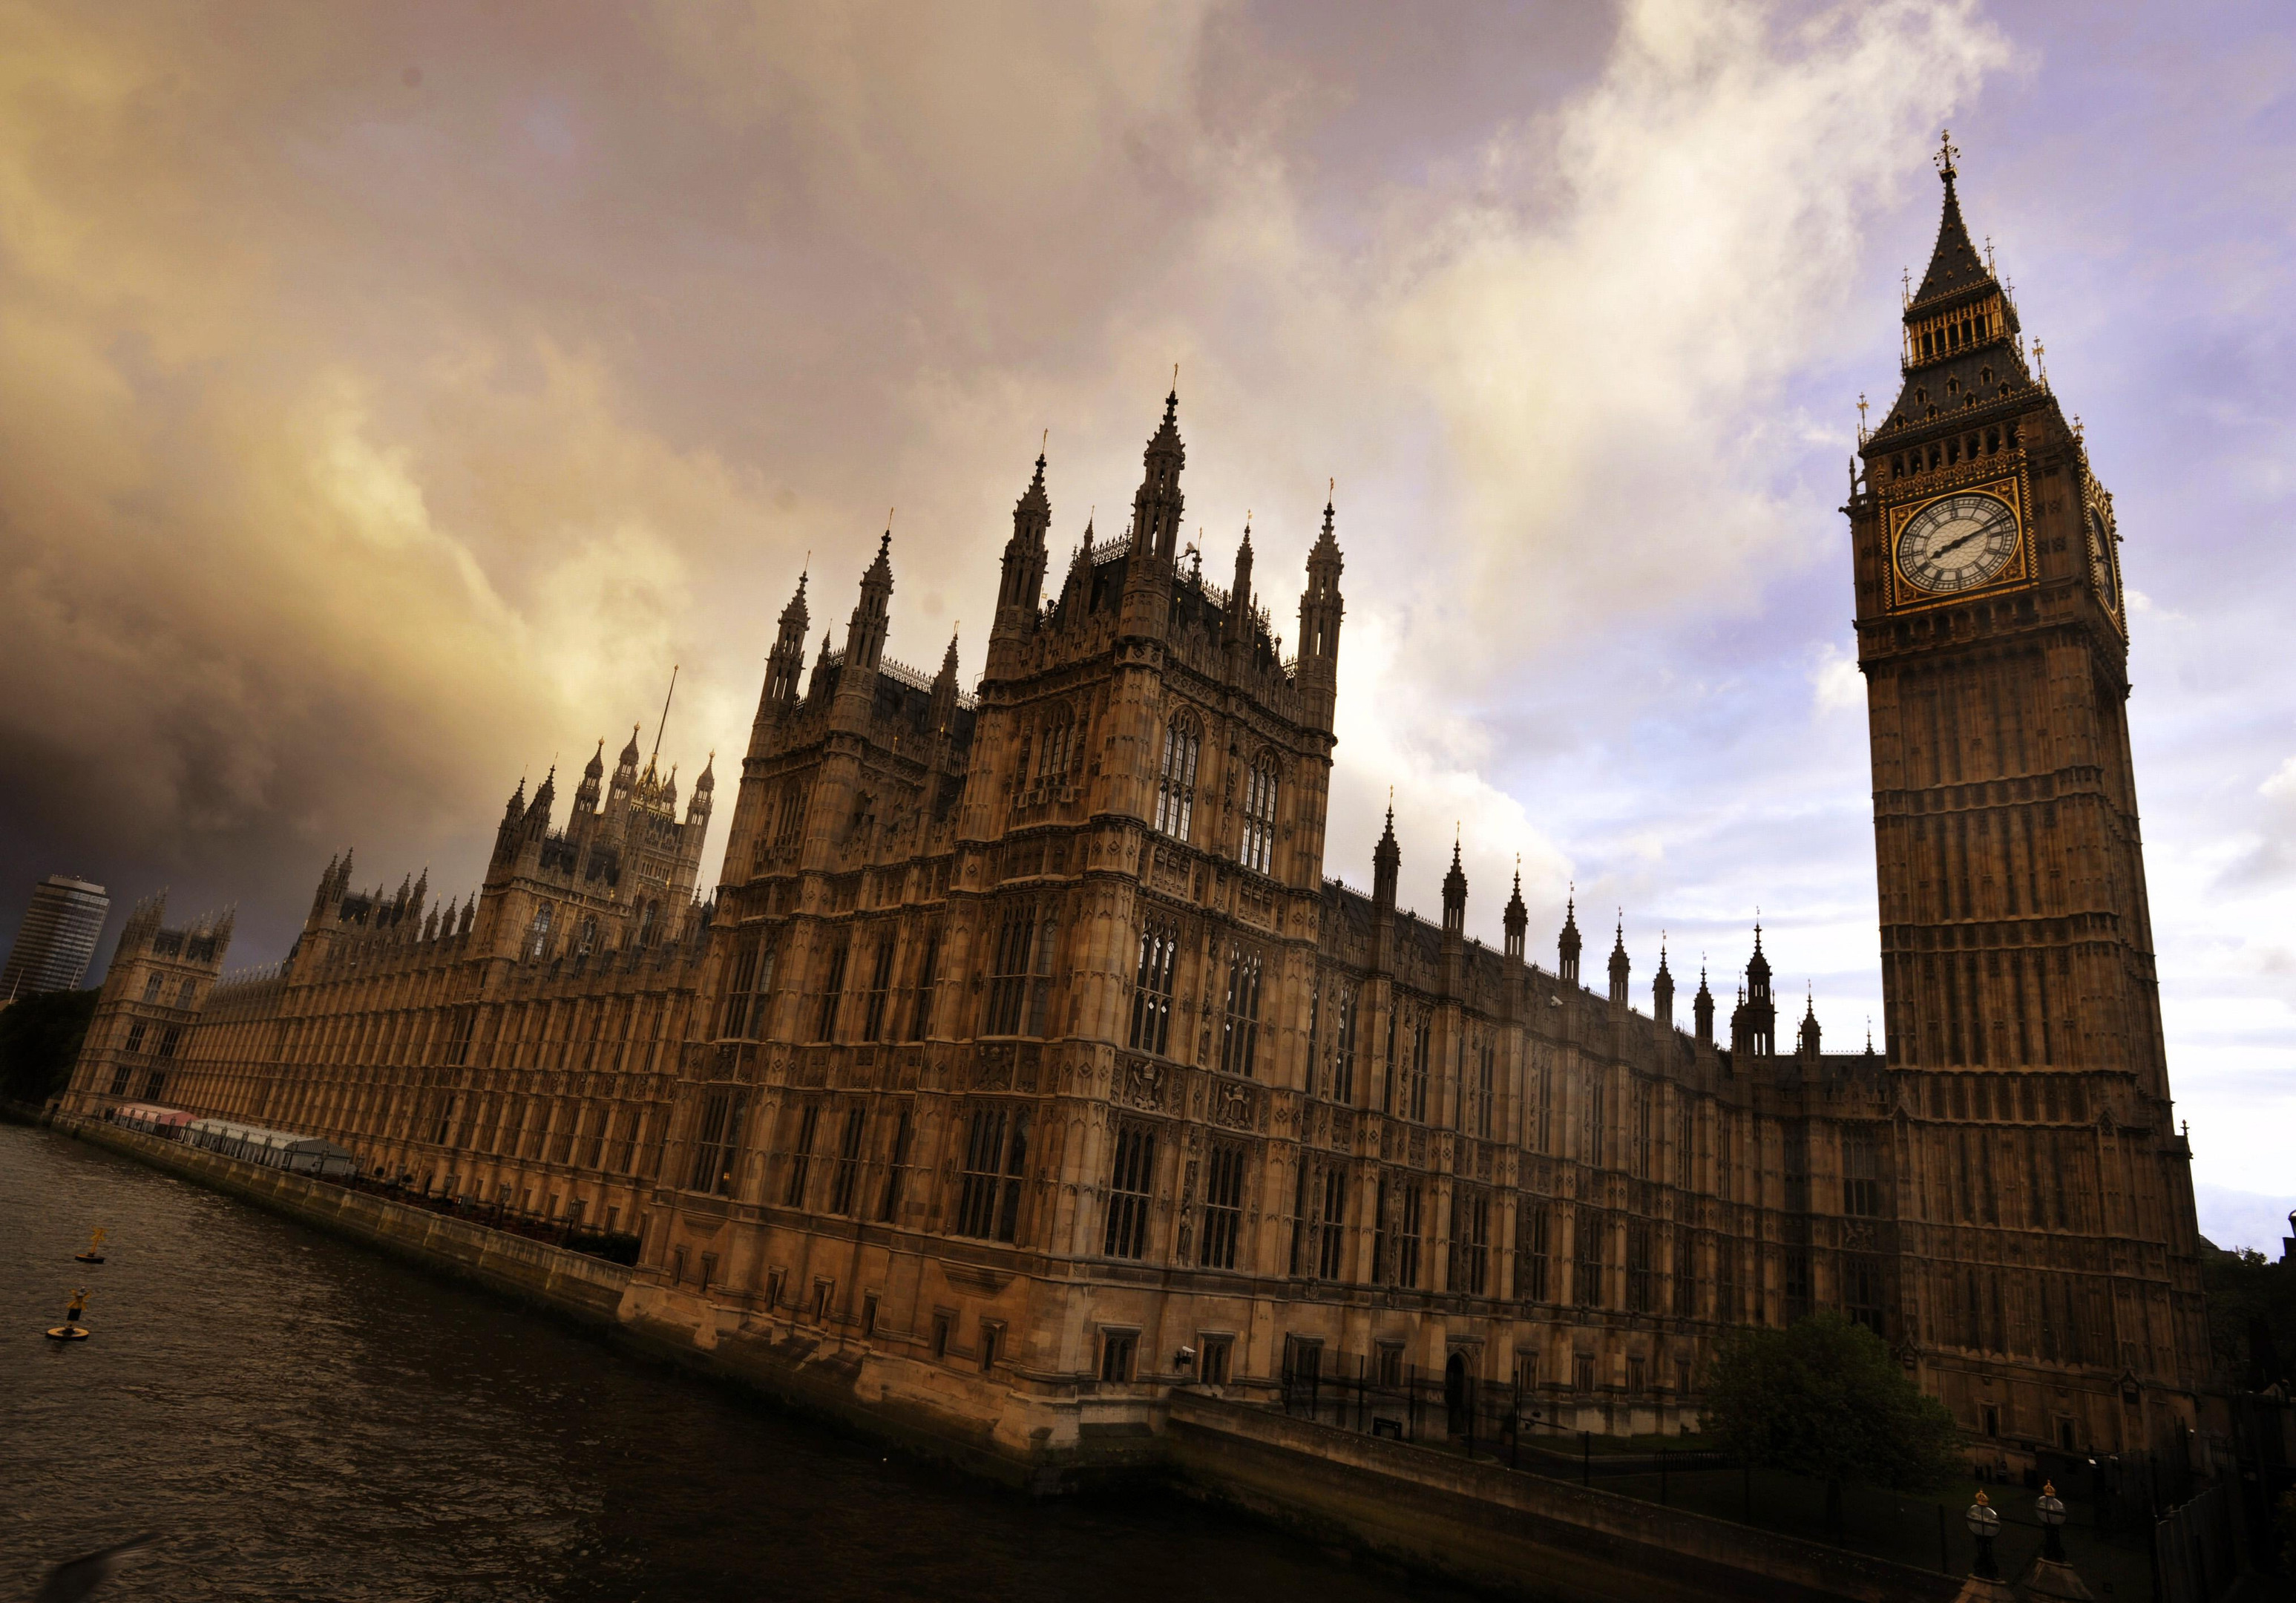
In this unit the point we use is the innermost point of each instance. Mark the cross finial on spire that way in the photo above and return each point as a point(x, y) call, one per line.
point(1947, 152)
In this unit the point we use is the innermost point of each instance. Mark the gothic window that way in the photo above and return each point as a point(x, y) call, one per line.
point(848, 1175)
point(1056, 749)
point(1471, 1242)
point(1861, 1290)
point(833, 992)
point(808, 1123)
point(1259, 815)
point(1343, 1044)
point(1152, 989)
point(537, 932)
point(1796, 1285)
point(1726, 1280)
point(1531, 1227)
point(1686, 1274)
point(1129, 1180)
point(151, 988)
point(1212, 1366)
point(1410, 1205)
point(718, 1140)
point(1590, 1134)
point(741, 984)
point(896, 1169)
point(647, 915)
point(1586, 1291)
point(880, 980)
point(1020, 978)
point(1117, 1348)
point(1223, 1207)
point(791, 816)
point(135, 1036)
point(928, 973)
point(1486, 1090)
point(1641, 1268)
point(168, 1037)
point(1175, 779)
point(1641, 1105)
point(989, 1188)
point(1240, 1011)
point(183, 993)
point(589, 938)
point(1861, 1162)
point(1414, 1087)
point(1331, 1247)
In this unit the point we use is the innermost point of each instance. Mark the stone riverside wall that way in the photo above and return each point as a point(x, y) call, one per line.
point(589, 1288)
point(1490, 1525)
point(1521, 1534)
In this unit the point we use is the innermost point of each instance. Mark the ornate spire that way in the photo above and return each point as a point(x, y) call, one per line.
point(1954, 265)
point(1454, 893)
point(1386, 861)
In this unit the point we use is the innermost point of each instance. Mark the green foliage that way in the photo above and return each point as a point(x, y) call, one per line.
point(1824, 1397)
point(2249, 1298)
point(40, 1040)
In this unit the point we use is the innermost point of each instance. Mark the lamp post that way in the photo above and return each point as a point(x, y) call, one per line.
point(1984, 1525)
point(2051, 1509)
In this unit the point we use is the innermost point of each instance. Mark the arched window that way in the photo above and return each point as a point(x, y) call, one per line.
point(1151, 990)
point(1176, 781)
point(1058, 750)
point(538, 933)
point(1259, 815)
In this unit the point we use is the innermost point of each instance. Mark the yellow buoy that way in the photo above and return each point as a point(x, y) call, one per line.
point(66, 1333)
point(94, 1254)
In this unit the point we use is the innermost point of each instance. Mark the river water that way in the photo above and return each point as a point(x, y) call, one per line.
point(302, 1419)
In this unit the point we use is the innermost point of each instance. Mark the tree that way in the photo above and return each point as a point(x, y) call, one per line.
point(39, 1042)
point(2252, 1316)
point(1824, 1397)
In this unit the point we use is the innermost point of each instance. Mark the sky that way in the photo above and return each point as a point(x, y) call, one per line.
point(390, 395)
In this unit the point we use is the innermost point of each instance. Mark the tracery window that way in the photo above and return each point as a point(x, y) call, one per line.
point(1223, 1205)
point(1020, 975)
point(718, 1140)
point(1415, 1084)
point(1587, 1290)
point(749, 978)
point(848, 1164)
point(1332, 1245)
point(1175, 779)
point(1410, 1204)
point(833, 992)
point(988, 1186)
point(1240, 1011)
point(1130, 1176)
point(1861, 1187)
point(808, 1122)
point(1259, 815)
point(1530, 1277)
point(880, 980)
point(896, 1169)
point(538, 933)
point(1471, 1241)
point(1055, 750)
point(1152, 989)
point(1641, 1268)
point(920, 1005)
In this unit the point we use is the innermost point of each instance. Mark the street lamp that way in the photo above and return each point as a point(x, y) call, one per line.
point(2052, 1511)
point(1984, 1526)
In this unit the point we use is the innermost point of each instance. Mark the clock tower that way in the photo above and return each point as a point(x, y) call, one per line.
point(2045, 1191)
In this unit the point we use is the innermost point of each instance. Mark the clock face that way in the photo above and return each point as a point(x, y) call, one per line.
point(1957, 543)
point(2100, 560)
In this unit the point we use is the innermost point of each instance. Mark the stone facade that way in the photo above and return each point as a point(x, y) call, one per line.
point(1027, 1064)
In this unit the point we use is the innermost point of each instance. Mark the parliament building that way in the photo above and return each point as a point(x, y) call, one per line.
point(1028, 1059)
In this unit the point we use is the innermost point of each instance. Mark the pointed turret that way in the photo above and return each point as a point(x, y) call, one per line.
point(319, 897)
point(1321, 611)
point(1761, 1015)
point(942, 711)
point(1620, 968)
point(1662, 989)
point(697, 811)
point(1455, 898)
point(1239, 622)
point(1516, 918)
point(864, 635)
point(785, 663)
point(1156, 509)
point(1566, 945)
point(1702, 1010)
point(1807, 1042)
point(1386, 865)
point(1021, 589)
point(593, 773)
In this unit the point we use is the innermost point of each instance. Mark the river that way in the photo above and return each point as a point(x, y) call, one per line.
point(300, 1418)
